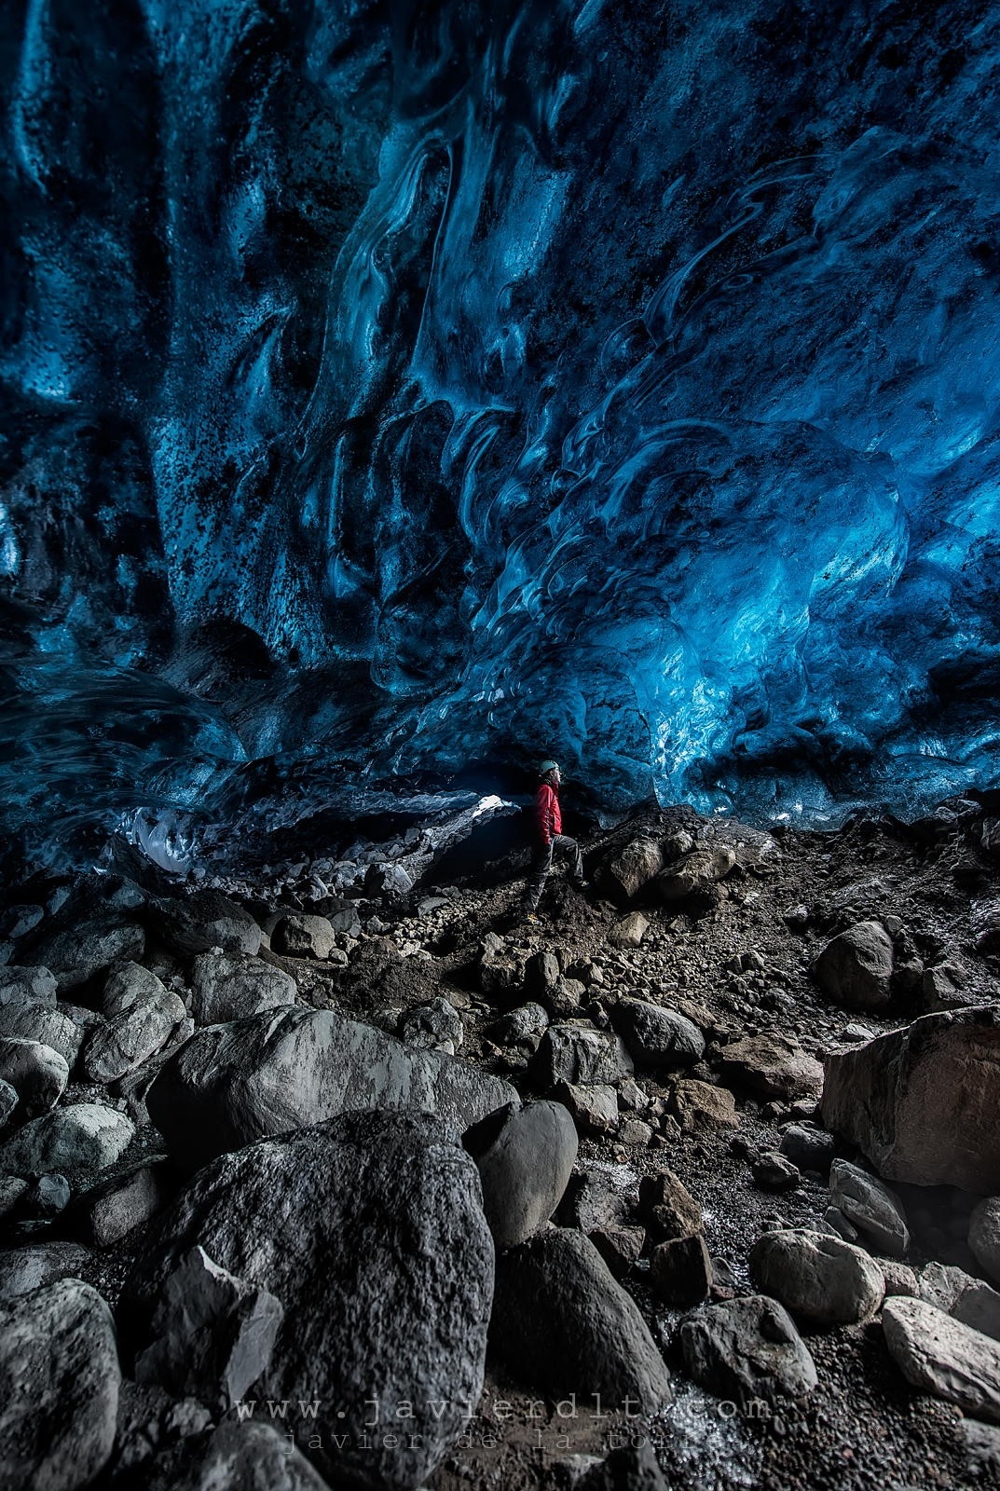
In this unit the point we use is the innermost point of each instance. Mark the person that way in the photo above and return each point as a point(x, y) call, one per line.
point(549, 837)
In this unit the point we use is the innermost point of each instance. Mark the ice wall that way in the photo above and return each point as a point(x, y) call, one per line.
point(389, 388)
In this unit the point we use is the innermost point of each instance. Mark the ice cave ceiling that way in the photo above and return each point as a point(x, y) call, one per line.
point(392, 389)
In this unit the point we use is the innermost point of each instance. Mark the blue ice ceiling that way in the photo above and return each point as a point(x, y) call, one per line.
point(391, 388)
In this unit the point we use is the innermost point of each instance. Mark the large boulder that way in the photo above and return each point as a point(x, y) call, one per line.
point(855, 968)
point(131, 1037)
point(300, 935)
point(42, 1023)
point(984, 1236)
point(72, 1141)
point(25, 1269)
point(125, 984)
point(625, 875)
point(525, 1157)
point(232, 986)
point(870, 1205)
point(287, 1069)
point(923, 1103)
point(76, 955)
point(59, 1380)
point(657, 1037)
point(563, 1323)
point(37, 1073)
point(26, 985)
point(938, 1354)
point(819, 1277)
point(203, 921)
point(701, 868)
point(747, 1349)
point(369, 1229)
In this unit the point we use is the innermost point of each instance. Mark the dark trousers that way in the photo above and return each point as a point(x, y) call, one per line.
point(541, 864)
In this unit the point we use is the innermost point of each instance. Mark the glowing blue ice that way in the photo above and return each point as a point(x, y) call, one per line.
point(396, 386)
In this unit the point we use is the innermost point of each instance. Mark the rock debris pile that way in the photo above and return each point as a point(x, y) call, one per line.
point(381, 1192)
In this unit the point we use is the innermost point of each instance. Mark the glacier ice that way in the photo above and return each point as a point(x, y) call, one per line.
point(395, 387)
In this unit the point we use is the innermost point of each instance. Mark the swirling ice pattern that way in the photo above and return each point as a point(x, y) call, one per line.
point(392, 387)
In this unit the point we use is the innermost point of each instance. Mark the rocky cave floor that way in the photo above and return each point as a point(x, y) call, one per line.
point(735, 956)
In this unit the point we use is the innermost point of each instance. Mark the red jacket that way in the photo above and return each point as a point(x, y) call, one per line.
point(548, 818)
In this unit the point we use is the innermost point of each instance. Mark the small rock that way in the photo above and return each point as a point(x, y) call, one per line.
point(984, 1236)
point(629, 931)
point(47, 1026)
point(871, 1206)
point(810, 1149)
point(594, 1109)
point(941, 987)
point(899, 1278)
point(23, 1270)
point(126, 983)
point(636, 1133)
point(427, 1027)
point(213, 1334)
point(818, 1277)
point(109, 1211)
point(203, 921)
point(701, 1108)
point(855, 968)
point(681, 1270)
point(667, 1207)
point(525, 1157)
point(46, 1196)
point(747, 1348)
point(774, 1172)
point(251, 1456)
point(634, 1468)
point(526, 1023)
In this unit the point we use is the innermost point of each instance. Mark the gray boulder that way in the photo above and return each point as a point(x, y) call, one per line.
point(287, 1069)
point(36, 1072)
point(8, 1102)
point(745, 1349)
point(629, 931)
point(593, 1109)
point(582, 1056)
point(700, 868)
point(213, 1334)
point(105, 1213)
point(369, 1229)
point(628, 872)
point(923, 1103)
point(25, 1269)
point(657, 1037)
point(680, 1270)
point(27, 985)
point(73, 1141)
point(941, 1356)
point(74, 956)
point(808, 1148)
point(562, 1323)
point(867, 1202)
point(126, 983)
point(59, 1380)
point(233, 986)
point(855, 968)
point(249, 1457)
point(299, 935)
point(436, 1025)
point(131, 1037)
point(525, 1157)
point(203, 921)
point(526, 1023)
point(959, 1294)
point(818, 1277)
point(50, 1027)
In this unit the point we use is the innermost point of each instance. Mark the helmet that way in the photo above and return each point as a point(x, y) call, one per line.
point(546, 767)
